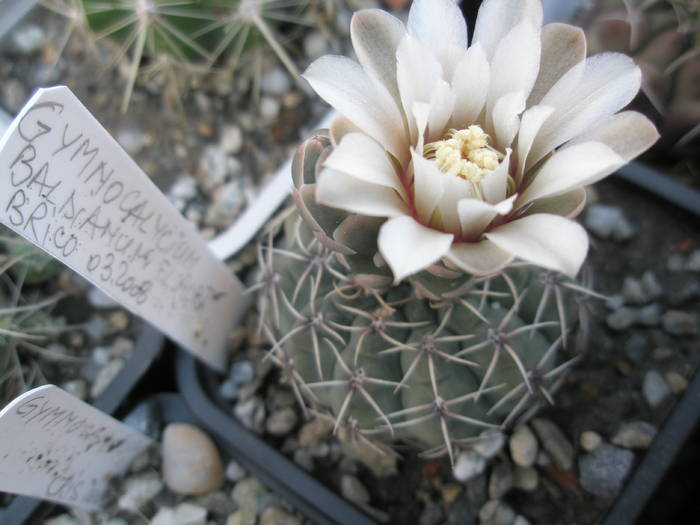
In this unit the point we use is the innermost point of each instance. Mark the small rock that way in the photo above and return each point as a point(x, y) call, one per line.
point(632, 291)
point(693, 262)
point(676, 381)
point(234, 471)
point(231, 140)
point(469, 464)
point(496, 513)
point(636, 347)
point(62, 519)
point(314, 432)
point(603, 471)
point(648, 315)
point(490, 443)
point(526, 478)
point(663, 352)
point(105, 376)
point(213, 168)
point(608, 222)
point(26, 39)
point(635, 434)
point(227, 202)
point(139, 490)
point(432, 514)
point(77, 388)
point(304, 459)
point(614, 302)
point(183, 514)
point(560, 450)
point(501, 481)
point(281, 422)
point(269, 108)
point(651, 286)
point(655, 388)
point(185, 188)
point(251, 412)
point(353, 489)
point(242, 372)
point(621, 319)
point(14, 95)
point(236, 518)
point(144, 418)
point(523, 446)
point(133, 140)
point(118, 321)
point(275, 82)
point(677, 322)
point(252, 497)
point(276, 516)
point(96, 328)
point(521, 520)
point(315, 45)
point(675, 262)
point(590, 440)
point(191, 462)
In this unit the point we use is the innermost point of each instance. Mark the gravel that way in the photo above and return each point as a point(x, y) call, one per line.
point(603, 471)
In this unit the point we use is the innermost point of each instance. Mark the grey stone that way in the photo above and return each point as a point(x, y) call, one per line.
point(490, 443)
point(276, 516)
point(693, 262)
point(559, 448)
point(677, 322)
point(242, 372)
point(304, 459)
point(526, 478)
point(251, 412)
point(191, 463)
point(98, 299)
point(353, 489)
point(228, 390)
point(675, 262)
point(603, 471)
point(231, 140)
point(133, 140)
point(269, 108)
point(636, 347)
point(432, 514)
point(648, 315)
point(185, 188)
point(213, 167)
point(590, 440)
point(523, 446)
point(463, 511)
point(632, 291)
point(250, 493)
point(234, 471)
point(615, 302)
point(183, 514)
point(276, 82)
point(655, 388)
point(621, 319)
point(281, 422)
point(315, 45)
point(138, 490)
point(676, 381)
point(608, 222)
point(469, 464)
point(651, 286)
point(14, 95)
point(521, 520)
point(217, 502)
point(26, 39)
point(62, 519)
point(496, 513)
point(105, 376)
point(227, 202)
point(144, 418)
point(76, 387)
point(501, 481)
point(635, 434)
point(96, 328)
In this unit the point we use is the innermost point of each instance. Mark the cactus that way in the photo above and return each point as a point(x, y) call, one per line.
point(432, 361)
point(180, 36)
point(663, 36)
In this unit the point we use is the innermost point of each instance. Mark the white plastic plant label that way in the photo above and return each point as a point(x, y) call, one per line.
point(68, 187)
point(55, 447)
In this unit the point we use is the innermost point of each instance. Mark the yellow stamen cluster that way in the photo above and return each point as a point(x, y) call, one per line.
point(466, 154)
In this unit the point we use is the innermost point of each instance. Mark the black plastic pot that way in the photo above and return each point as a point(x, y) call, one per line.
point(148, 347)
point(198, 385)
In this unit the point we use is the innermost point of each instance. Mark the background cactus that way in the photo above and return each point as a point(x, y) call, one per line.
point(663, 36)
point(433, 361)
point(177, 38)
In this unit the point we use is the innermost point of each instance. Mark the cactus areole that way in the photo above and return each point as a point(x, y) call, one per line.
point(425, 287)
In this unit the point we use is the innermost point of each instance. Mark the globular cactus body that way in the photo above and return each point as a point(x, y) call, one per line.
point(434, 360)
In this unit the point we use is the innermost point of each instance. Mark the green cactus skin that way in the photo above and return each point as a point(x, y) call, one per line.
point(433, 361)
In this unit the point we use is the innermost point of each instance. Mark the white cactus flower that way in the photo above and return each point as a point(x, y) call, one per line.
point(475, 154)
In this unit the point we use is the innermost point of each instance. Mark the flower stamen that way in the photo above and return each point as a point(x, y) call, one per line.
point(464, 153)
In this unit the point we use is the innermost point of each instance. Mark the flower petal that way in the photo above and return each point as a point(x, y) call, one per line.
point(344, 85)
point(506, 120)
point(412, 56)
point(439, 25)
point(497, 17)
point(455, 189)
point(515, 63)
point(360, 156)
point(478, 258)
point(530, 124)
point(348, 193)
point(563, 46)
point(375, 36)
point(409, 247)
point(570, 168)
point(628, 133)
point(470, 85)
point(567, 204)
point(441, 106)
point(546, 240)
point(427, 186)
point(340, 127)
point(608, 83)
point(495, 184)
point(475, 215)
